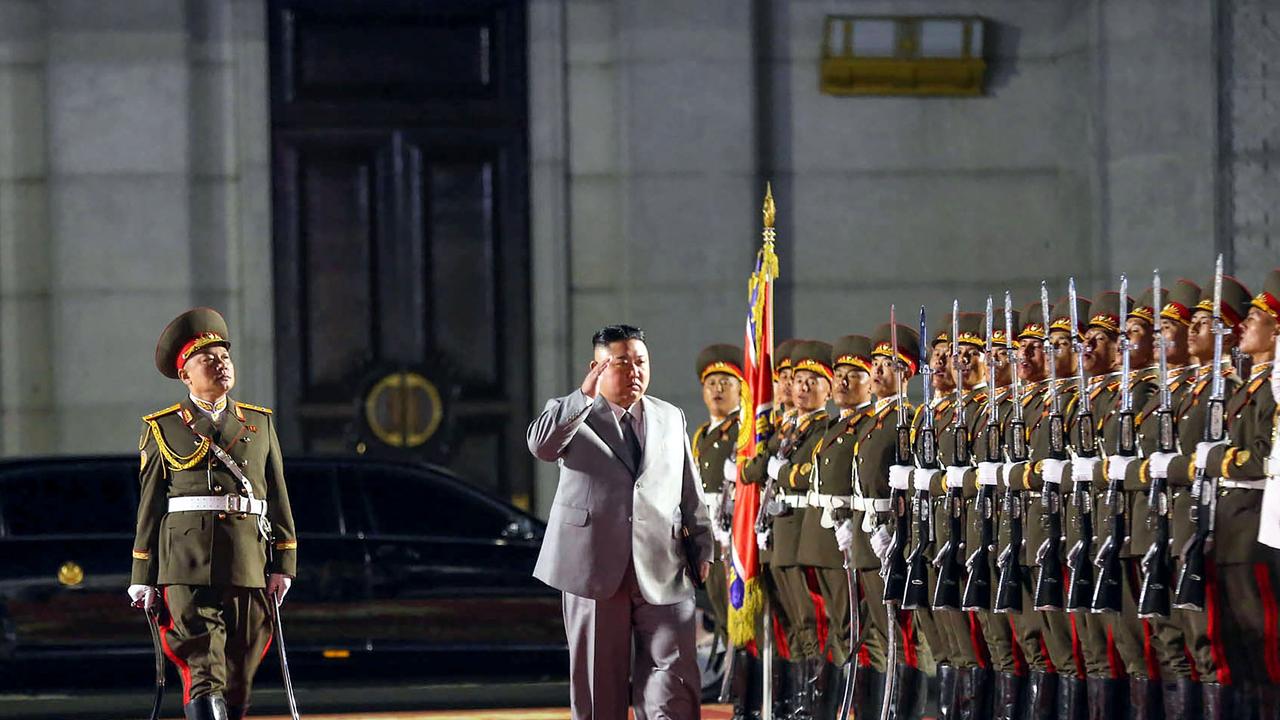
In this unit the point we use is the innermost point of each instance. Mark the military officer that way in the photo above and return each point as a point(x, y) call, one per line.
point(869, 533)
point(1205, 639)
point(830, 496)
point(215, 542)
point(719, 369)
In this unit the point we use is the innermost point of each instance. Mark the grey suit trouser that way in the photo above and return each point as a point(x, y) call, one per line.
point(662, 683)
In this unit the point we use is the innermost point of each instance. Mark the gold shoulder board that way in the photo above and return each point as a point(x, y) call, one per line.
point(258, 408)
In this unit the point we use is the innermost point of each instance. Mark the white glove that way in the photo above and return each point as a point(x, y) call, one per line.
point(988, 473)
point(922, 478)
point(1275, 372)
point(881, 541)
point(1203, 449)
point(955, 476)
point(775, 464)
point(1117, 465)
point(722, 536)
point(1083, 469)
point(278, 586)
point(730, 470)
point(762, 540)
point(844, 535)
point(143, 596)
point(1159, 465)
point(1053, 470)
point(900, 477)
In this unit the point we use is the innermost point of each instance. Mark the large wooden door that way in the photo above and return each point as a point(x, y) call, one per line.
point(401, 233)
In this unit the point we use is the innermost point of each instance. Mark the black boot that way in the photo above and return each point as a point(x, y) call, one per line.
point(1144, 699)
point(206, 707)
point(1218, 701)
point(973, 694)
point(782, 675)
point(830, 690)
point(801, 684)
point(237, 712)
point(909, 694)
point(1268, 702)
point(1182, 699)
point(1042, 695)
point(1071, 698)
point(868, 694)
point(1105, 698)
point(947, 681)
point(1008, 692)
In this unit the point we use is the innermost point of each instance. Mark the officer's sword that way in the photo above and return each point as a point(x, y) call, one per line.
point(153, 624)
point(284, 658)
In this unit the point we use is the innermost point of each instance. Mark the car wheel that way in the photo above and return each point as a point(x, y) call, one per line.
point(711, 654)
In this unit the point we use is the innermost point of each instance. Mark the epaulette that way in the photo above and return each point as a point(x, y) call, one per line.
point(161, 413)
point(258, 408)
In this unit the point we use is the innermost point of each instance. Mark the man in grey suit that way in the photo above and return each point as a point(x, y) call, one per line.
point(613, 546)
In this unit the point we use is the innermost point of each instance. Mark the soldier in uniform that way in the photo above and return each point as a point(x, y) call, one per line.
point(1205, 640)
point(215, 540)
point(1168, 651)
point(830, 497)
point(1245, 592)
point(1005, 661)
point(868, 534)
point(714, 446)
point(790, 468)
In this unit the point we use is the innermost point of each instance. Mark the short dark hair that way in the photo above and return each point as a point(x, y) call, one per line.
point(610, 334)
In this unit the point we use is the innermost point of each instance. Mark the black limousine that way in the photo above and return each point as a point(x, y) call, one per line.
point(404, 570)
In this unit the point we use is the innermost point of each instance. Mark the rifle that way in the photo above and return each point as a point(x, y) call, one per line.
point(1080, 557)
point(977, 592)
point(726, 525)
point(917, 588)
point(950, 559)
point(1107, 593)
point(1048, 590)
point(894, 571)
point(1009, 587)
point(1190, 592)
point(1157, 565)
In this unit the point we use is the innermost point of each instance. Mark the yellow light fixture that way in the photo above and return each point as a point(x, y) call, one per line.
point(903, 55)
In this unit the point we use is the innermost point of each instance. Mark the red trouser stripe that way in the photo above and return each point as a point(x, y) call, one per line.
point(1212, 613)
point(1114, 663)
point(780, 639)
point(1048, 659)
point(908, 639)
point(1077, 650)
point(1271, 620)
point(978, 641)
point(184, 670)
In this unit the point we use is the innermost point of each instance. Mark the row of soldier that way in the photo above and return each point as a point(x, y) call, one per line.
point(1094, 554)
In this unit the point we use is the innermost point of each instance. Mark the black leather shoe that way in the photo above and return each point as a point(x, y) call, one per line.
point(207, 707)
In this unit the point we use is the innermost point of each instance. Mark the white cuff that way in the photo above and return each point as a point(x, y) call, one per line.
point(1082, 469)
point(955, 476)
point(1052, 470)
point(922, 478)
point(988, 473)
point(900, 477)
point(1009, 468)
point(1159, 465)
point(1117, 465)
point(1203, 449)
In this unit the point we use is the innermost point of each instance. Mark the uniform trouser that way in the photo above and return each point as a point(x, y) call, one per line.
point(833, 583)
point(1030, 631)
point(1146, 648)
point(718, 595)
point(802, 618)
point(624, 650)
point(1002, 650)
point(217, 637)
point(935, 627)
point(1237, 638)
point(875, 625)
point(964, 637)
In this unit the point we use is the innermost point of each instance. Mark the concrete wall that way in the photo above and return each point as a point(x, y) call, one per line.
point(134, 184)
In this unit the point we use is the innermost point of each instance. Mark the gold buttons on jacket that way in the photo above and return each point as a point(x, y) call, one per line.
point(222, 516)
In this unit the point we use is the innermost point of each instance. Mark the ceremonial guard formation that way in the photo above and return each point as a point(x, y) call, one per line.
point(1074, 512)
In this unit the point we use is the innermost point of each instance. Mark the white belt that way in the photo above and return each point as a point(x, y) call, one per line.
point(1242, 484)
point(793, 500)
point(866, 504)
point(830, 502)
point(218, 503)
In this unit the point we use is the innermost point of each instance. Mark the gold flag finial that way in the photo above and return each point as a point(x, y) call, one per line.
point(769, 210)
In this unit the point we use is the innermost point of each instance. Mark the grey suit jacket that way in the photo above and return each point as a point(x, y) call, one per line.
point(606, 513)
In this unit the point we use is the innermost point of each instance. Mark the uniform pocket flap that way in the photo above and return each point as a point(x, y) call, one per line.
point(573, 515)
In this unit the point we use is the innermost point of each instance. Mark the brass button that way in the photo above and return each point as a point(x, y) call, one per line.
point(217, 488)
point(242, 516)
point(222, 516)
point(715, 444)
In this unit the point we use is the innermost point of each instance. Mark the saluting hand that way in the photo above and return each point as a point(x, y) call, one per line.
point(591, 384)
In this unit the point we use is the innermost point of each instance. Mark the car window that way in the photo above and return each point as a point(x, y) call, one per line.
point(70, 499)
point(404, 502)
point(311, 498)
